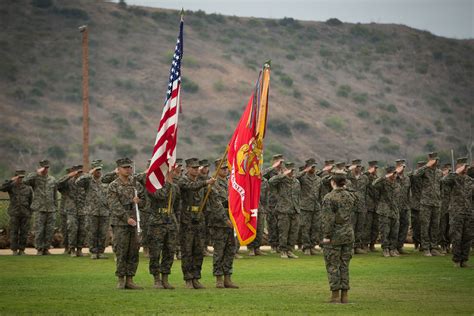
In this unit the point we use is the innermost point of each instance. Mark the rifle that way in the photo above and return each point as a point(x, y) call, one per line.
point(206, 196)
point(137, 211)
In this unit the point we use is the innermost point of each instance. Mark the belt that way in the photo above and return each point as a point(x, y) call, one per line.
point(194, 208)
point(163, 210)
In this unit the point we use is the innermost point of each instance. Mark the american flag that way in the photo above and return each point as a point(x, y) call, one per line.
point(164, 151)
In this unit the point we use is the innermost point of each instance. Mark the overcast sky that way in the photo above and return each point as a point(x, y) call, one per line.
point(449, 18)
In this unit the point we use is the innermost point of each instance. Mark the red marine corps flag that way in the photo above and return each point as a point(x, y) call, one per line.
point(245, 159)
point(164, 150)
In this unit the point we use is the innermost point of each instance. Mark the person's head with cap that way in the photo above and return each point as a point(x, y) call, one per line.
point(356, 162)
point(289, 168)
point(390, 171)
point(340, 165)
point(433, 159)
point(461, 165)
point(178, 167)
point(400, 162)
point(125, 167)
point(19, 175)
point(204, 166)
point(96, 168)
point(223, 171)
point(77, 170)
point(310, 163)
point(277, 157)
point(192, 166)
point(420, 163)
point(277, 162)
point(446, 167)
point(356, 166)
point(43, 167)
point(328, 162)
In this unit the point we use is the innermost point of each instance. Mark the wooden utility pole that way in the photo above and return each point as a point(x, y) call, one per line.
point(85, 97)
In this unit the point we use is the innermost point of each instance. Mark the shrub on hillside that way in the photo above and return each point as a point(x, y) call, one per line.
point(360, 98)
point(189, 85)
point(335, 123)
point(324, 104)
point(333, 22)
point(125, 150)
point(344, 91)
point(279, 127)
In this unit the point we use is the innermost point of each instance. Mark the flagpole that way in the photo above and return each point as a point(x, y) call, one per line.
point(215, 177)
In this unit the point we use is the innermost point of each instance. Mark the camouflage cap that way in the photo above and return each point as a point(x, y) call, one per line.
point(433, 155)
point(192, 162)
point(97, 164)
point(44, 163)
point(357, 161)
point(338, 176)
point(329, 162)
point(461, 160)
point(389, 169)
point(310, 162)
point(421, 162)
point(204, 163)
point(179, 161)
point(399, 161)
point(340, 164)
point(124, 162)
point(289, 165)
point(218, 161)
point(20, 173)
point(77, 167)
point(373, 163)
point(447, 165)
point(277, 156)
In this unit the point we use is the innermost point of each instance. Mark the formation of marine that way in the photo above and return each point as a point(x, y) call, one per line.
point(299, 208)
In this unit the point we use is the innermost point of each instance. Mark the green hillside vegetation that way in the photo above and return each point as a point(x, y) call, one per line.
point(337, 89)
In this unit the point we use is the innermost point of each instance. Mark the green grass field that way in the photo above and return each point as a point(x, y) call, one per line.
point(269, 285)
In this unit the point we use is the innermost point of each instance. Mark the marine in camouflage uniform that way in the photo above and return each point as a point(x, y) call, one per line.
point(121, 200)
point(288, 192)
point(272, 214)
point(415, 196)
point(221, 229)
point(388, 211)
point(358, 183)
point(193, 225)
point(403, 205)
point(338, 237)
point(310, 208)
point(444, 240)
point(461, 213)
point(97, 209)
point(19, 210)
point(162, 232)
point(254, 246)
point(371, 201)
point(63, 219)
point(430, 203)
point(76, 211)
point(45, 203)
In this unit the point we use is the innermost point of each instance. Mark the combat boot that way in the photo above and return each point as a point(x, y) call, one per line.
point(334, 297)
point(79, 252)
point(464, 264)
point(307, 252)
point(417, 245)
point(386, 253)
point(73, 252)
point(252, 253)
point(313, 251)
point(359, 251)
point(258, 252)
point(46, 252)
point(189, 284)
point(393, 253)
point(21, 253)
point(273, 250)
point(344, 297)
point(228, 282)
point(436, 253)
point(166, 284)
point(158, 284)
point(121, 283)
point(291, 255)
point(15, 253)
point(94, 256)
point(66, 251)
point(197, 285)
point(129, 284)
point(427, 253)
point(444, 250)
point(146, 252)
point(39, 252)
point(372, 247)
point(284, 255)
point(219, 282)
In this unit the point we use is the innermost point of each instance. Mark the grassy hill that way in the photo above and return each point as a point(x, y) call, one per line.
point(337, 90)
